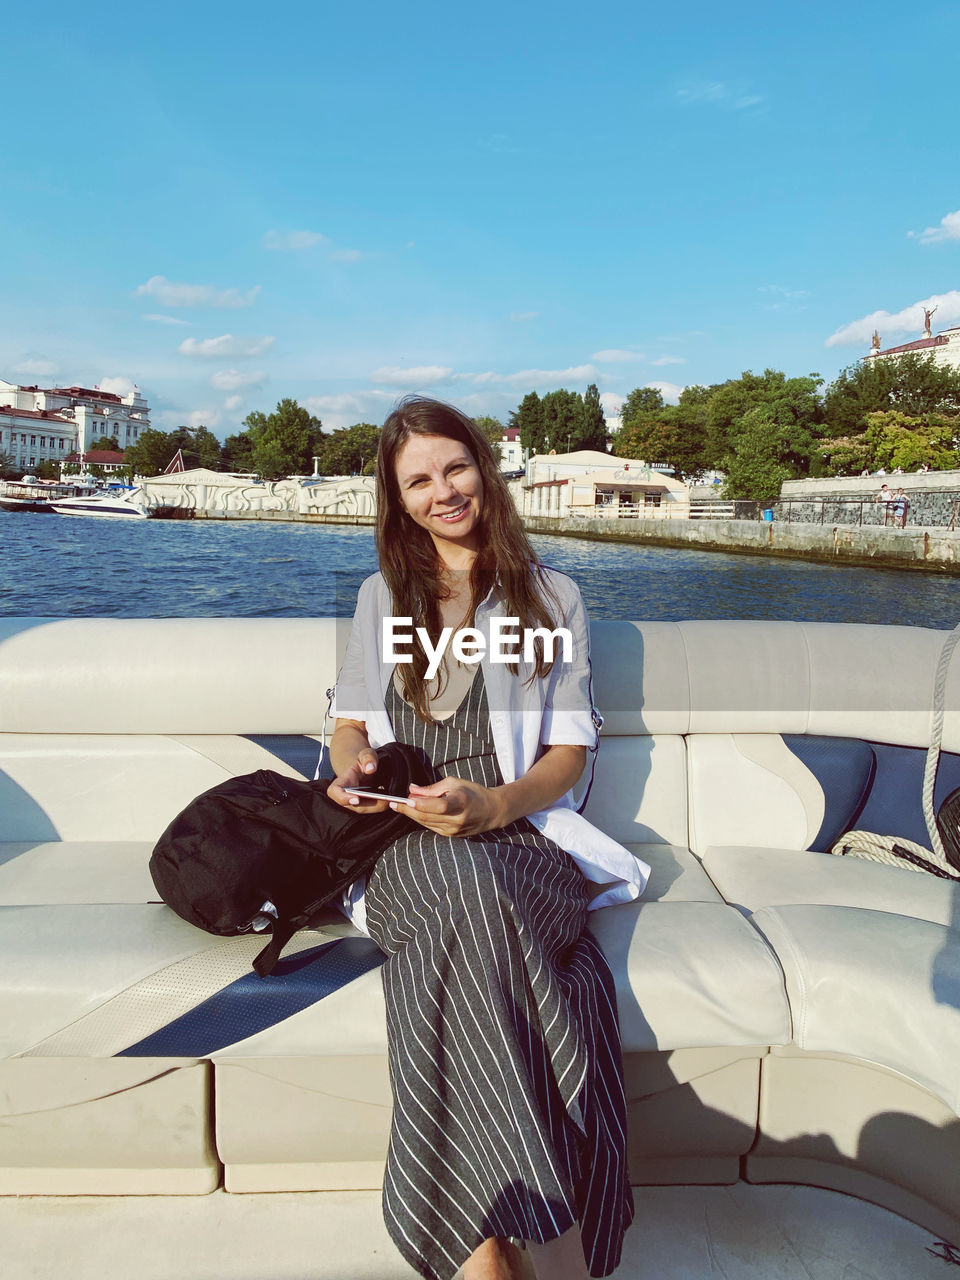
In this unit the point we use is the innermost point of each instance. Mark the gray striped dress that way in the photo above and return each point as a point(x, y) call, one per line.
point(509, 1116)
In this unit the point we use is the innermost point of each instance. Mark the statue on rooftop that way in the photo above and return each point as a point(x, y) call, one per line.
point(875, 341)
point(927, 316)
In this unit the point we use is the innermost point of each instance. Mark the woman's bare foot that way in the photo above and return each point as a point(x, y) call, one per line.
point(495, 1259)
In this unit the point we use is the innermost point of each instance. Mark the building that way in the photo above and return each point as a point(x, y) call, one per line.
point(47, 424)
point(511, 454)
point(944, 347)
point(587, 482)
point(107, 461)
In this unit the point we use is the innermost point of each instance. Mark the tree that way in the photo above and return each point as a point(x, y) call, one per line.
point(237, 453)
point(285, 441)
point(7, 465)
point(149, 455)
point(111, 443)
point(492, 428)
point(755, 468)
point(529, 418)
point(47, 469)
point(561, 417)
point(794, 404)
point(912, 383)
point(896, 440)
point(593, 432)
point(350, 451)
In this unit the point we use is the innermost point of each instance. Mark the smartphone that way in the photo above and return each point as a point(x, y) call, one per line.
point(375, 795)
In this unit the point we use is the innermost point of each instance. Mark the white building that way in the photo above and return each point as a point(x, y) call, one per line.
point(944, 347)
point(45, 424)
point(588, 482)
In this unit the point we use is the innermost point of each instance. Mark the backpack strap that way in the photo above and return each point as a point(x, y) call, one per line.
point(594, 751)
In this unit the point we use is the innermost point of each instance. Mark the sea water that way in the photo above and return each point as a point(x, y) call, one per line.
point(58, 566)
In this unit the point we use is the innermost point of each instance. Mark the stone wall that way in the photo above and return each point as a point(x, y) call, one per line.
point(930, 549)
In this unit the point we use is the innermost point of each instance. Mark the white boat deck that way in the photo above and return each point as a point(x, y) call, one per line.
point(740, 1232)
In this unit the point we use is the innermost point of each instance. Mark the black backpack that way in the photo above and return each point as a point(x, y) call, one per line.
point(263, 851)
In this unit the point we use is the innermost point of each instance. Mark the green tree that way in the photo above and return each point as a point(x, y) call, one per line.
point(896, 440)
point(149, 455)
point(755, 468)
point(350, 451)
point(285, 441)
point(593, 432)
point(7, 467)
point(562, 420)
point(492, 428)
point(912, 383)
point(793, 404)
point(529, 418)
point(237, 453)
point(111, 443)
point(46, 469)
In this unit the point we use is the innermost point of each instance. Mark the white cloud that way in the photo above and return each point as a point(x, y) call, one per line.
point(555, 377)
point(949, 229)
point(232, 403)
point(37, 366)
point(171, 294)
point(669, 390)
point(668, 360)
point(118, 386)
point(345, 409)
point(162, 319)
point(346, 255)
point(909, 320)
point(426, 375)
point(233, 379)
point(727, 95)
point(611, 403)
point(208, 418)
point(226, 347)
point(617, 355)
point(518, 317)
point(292, 240)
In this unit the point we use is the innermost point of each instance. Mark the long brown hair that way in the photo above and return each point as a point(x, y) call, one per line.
point(409, 562)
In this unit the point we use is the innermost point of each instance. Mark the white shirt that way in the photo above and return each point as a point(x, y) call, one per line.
point(524, 714)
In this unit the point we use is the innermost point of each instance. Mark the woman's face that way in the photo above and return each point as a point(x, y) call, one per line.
point(442, 490)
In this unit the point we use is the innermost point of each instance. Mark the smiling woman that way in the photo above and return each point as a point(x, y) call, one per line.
point(505, 1060)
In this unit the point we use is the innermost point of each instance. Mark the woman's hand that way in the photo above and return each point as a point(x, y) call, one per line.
point(359, 774)
point(455, 807)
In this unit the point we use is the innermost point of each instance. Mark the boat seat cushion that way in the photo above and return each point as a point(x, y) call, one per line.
point(691, 974)
point(751, 878)
point(873, 985)
point(135, 979)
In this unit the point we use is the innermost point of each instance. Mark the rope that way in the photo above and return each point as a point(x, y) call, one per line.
point(894, 850)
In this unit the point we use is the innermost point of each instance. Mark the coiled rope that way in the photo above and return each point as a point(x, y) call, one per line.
point(894, 850)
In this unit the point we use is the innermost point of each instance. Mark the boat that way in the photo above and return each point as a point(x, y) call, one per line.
point(31, 494)
point(117, 501)
point(790, 1019)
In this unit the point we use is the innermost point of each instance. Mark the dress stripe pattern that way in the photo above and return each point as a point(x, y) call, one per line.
point(509, 1117)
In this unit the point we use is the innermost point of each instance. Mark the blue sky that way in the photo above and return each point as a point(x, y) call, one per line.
point(227, 204)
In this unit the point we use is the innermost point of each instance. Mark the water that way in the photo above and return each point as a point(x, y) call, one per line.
point(51, 566)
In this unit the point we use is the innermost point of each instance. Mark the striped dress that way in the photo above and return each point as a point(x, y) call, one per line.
point(509, 1117)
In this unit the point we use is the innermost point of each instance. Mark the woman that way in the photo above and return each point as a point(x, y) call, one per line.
point(509, 1116)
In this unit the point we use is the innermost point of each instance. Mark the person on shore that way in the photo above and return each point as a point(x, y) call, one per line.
point(886, 497)
point(900, 505)
point(509, 1120)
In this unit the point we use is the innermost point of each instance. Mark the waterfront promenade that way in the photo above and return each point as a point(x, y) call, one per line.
point(833, 521)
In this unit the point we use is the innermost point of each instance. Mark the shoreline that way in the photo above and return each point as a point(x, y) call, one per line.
point(929, 550)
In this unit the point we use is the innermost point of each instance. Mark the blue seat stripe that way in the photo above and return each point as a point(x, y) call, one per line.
point(253, 1004)
point(295, 749)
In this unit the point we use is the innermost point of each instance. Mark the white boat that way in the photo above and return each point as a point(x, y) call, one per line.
point(119, 501)
point(31, 494)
